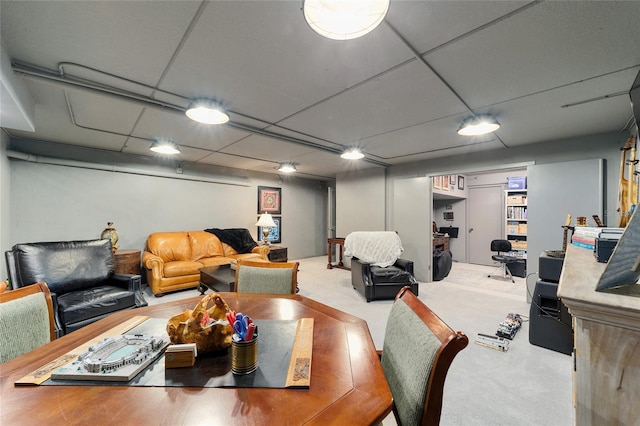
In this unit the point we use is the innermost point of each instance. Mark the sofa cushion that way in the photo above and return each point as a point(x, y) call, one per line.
point(177, 269)
point(80, 305)
point(204, 245)
point(170, 246)
point(65, 266)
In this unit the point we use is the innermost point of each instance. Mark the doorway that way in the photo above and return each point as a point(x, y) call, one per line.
point(485, 227)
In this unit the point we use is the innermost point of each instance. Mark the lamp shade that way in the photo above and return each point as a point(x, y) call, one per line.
point(164, 147)
point(287, 168)
point(265, 220)
point(207, 112)
point(352, 154)
point(475, 126)
point(344, 19)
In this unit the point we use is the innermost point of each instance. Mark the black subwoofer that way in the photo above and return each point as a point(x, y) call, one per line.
point(549, 320)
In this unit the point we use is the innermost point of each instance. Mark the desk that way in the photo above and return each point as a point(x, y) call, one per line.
point(440, 242)
point(347, 382)
point(330, 243)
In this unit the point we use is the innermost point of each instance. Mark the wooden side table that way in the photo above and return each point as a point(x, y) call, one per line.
point(127, 262)
point(340, 243)
point(278, 254)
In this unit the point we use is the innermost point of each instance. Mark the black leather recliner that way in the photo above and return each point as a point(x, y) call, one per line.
point(382, 283)
point(80, 275)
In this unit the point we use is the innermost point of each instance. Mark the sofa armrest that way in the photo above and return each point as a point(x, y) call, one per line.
point(263, 251)
point(133, 283)
point(153, 263)
point(407, 265)
point(56, 317)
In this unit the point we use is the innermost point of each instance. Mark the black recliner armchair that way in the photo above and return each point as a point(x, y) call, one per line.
point(80, 275)
point(382, 283)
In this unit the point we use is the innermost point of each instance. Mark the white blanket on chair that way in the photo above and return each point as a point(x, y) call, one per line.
point(380, 248)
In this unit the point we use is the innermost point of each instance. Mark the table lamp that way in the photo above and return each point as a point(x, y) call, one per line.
point(266, 221)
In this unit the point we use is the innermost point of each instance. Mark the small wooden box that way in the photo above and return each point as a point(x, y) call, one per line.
point(176, 356)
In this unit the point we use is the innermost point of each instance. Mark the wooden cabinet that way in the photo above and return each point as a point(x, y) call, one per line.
point(607, 349)
point(516, 217)
point(127, 262)
point(278, 254)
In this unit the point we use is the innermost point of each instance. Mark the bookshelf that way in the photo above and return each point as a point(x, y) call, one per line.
point(516, 219)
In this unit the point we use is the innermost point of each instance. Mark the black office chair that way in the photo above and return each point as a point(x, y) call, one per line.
point(502, 247)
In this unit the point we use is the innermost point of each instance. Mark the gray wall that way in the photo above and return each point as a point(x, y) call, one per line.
point(55, 202)
point(360, 201)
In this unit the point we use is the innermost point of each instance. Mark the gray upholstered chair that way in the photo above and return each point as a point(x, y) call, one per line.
point(418, 350)
point(26, 320)
point(254, 276)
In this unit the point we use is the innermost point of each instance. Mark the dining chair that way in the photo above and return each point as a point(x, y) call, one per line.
point(417, 351)
point(26, 320)
point(255, 276)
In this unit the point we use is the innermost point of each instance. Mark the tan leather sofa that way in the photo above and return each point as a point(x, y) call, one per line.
point(173, 259)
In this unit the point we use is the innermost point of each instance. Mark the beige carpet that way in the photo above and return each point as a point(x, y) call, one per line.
point(527, 385)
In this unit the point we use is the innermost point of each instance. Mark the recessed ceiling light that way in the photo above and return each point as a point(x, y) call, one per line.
point(475, 126)
point(207, 112)
point(352, 154)
point(165, 147)
point(287, 167)
point(344, 19)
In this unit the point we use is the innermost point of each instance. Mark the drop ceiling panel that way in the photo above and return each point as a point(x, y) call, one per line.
point(409, 95)
point(429, 138)
point(262, 59)
point(429, 24)
point(257, 146)
point(234, 161)
point(177, 127)
point(111, 115)
point(132, 38)
point(547, 46)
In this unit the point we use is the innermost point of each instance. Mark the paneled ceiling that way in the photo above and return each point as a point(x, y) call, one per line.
point(115, 75)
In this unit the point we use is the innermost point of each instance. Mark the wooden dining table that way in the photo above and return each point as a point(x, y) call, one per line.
point(347, 384)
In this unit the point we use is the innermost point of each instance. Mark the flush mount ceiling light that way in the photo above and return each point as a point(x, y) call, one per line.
point(207, 112)
point(344, 19)
point(165, 147)
point(287, 167)
point(352, 154)
point(480, 125)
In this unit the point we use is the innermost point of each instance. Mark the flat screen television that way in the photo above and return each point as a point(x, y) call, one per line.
point(634, 94)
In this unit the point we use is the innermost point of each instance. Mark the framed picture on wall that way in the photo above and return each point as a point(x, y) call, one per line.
point(437, 182)
point(452, 182)
point(275, 232)
point(269, 200)
point(445, 183)
point(461, 183)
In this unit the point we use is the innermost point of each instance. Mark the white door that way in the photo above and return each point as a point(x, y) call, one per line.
point(486, 220)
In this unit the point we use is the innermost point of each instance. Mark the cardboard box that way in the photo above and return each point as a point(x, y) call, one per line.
point(516, 199)
point(512, 229)
point(519, 245)
point(522, 228)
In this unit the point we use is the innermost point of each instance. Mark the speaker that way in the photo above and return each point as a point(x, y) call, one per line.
point(549, 268)
point(550, 324)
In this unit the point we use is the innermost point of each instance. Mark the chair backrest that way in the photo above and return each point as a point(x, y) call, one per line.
point(418, 350)
point(26, 320)
point(500, 246)
point(254, 276)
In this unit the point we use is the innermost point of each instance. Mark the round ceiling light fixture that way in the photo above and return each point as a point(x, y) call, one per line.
point(207, 112)
point(163, 146)
point(287, 167)
point(352, 154)
point(479, 125)
point(344, 19)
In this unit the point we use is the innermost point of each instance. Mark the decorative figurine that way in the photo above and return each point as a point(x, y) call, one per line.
point(110, 233)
